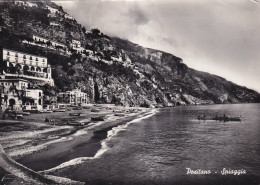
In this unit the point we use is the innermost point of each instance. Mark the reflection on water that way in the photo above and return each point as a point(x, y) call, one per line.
point(159, 149)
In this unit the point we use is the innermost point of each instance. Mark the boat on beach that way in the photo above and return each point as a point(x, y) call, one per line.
point(46, 111)
point(26, 113)
point(59, 110)
point(86, 107)
point(99, 118)
point(95, 110)
point(119, 114)
point(77, 108)
point(75, 123)
point(74, 114)
point(15, 115)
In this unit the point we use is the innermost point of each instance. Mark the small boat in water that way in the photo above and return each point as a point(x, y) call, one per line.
point(217, 118)
point(99, 118)
point(74, 114)
point(227, 118)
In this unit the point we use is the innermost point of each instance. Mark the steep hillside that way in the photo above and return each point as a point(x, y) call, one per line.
point(110, 70)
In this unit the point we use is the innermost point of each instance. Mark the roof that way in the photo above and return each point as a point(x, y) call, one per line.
point(23, 53)
point(8, 80)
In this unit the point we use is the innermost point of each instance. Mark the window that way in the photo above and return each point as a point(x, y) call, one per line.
point(36, 59)
point(24, 56)
point(40, 94)
point(8, 53)
point(16, 54)
point(30, 57)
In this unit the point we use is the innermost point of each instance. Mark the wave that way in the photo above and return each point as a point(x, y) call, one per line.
point(104, 143)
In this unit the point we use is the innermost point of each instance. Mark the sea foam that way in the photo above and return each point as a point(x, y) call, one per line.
point(104, 143)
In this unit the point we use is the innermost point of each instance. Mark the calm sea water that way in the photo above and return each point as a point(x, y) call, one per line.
point(158, 150)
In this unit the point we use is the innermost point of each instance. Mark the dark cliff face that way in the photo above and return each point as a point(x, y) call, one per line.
point(112, 70)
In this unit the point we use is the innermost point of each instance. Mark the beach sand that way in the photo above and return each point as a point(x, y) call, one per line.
point(41, 145)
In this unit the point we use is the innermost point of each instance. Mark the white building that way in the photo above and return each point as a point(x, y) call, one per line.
point(74, 97)
point(76, 45)
point(27, 66)
point(25, 3)
point(52, 10)
point(53, 43)
point(33, 99)
point(15, 95)
point(67, 16)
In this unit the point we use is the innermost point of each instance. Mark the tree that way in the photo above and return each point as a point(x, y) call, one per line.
point(95, 31)
point(84, 29)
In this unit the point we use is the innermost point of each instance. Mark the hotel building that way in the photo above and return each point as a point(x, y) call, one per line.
point(27, 66)
point(74, 97)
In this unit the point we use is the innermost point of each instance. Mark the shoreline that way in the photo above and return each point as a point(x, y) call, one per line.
point(45, 141)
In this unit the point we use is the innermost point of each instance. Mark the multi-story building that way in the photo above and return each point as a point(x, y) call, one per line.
point(74, 97)
point(76, 45)
point(24, 65)
point(25, 3)
point(52, 10)
point(67, 16)
point(53, 43)
point(15, 95)
point(33, 99)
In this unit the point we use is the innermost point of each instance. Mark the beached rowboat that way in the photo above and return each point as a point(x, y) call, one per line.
point(99, 118)
point(74, 114)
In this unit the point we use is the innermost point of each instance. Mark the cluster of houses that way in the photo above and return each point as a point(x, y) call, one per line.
point(18, 76)
point(54, 45)
point(52, 11)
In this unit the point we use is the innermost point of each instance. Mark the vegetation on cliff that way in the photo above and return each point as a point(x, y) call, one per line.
point(111, 70)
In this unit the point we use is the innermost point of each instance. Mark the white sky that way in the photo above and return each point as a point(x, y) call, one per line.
point(215, 36)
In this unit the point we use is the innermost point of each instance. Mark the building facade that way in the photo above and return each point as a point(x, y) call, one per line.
point(15, 95)
point(76, 45)
point(74, 97)
point(53, 43)
point(33, 99)
point(27, 66)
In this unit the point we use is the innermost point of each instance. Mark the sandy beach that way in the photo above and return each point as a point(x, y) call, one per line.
point(48, 146)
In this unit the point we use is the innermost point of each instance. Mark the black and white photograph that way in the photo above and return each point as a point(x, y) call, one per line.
point(130, 92)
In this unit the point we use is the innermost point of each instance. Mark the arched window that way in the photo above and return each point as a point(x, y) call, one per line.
point(26, 68)
point(38, 69)
point(24, 56)
point(8, 53)
point(44, 70)
point(32, 68)
point(36, 59)
point(30, 57)
point(18, 66)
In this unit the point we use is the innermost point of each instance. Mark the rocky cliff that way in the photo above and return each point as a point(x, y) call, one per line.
point(110, 70)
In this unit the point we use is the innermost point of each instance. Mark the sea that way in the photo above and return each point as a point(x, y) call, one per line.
point(172, 147)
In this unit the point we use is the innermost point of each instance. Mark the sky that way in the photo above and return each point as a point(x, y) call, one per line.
point(215, 36)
